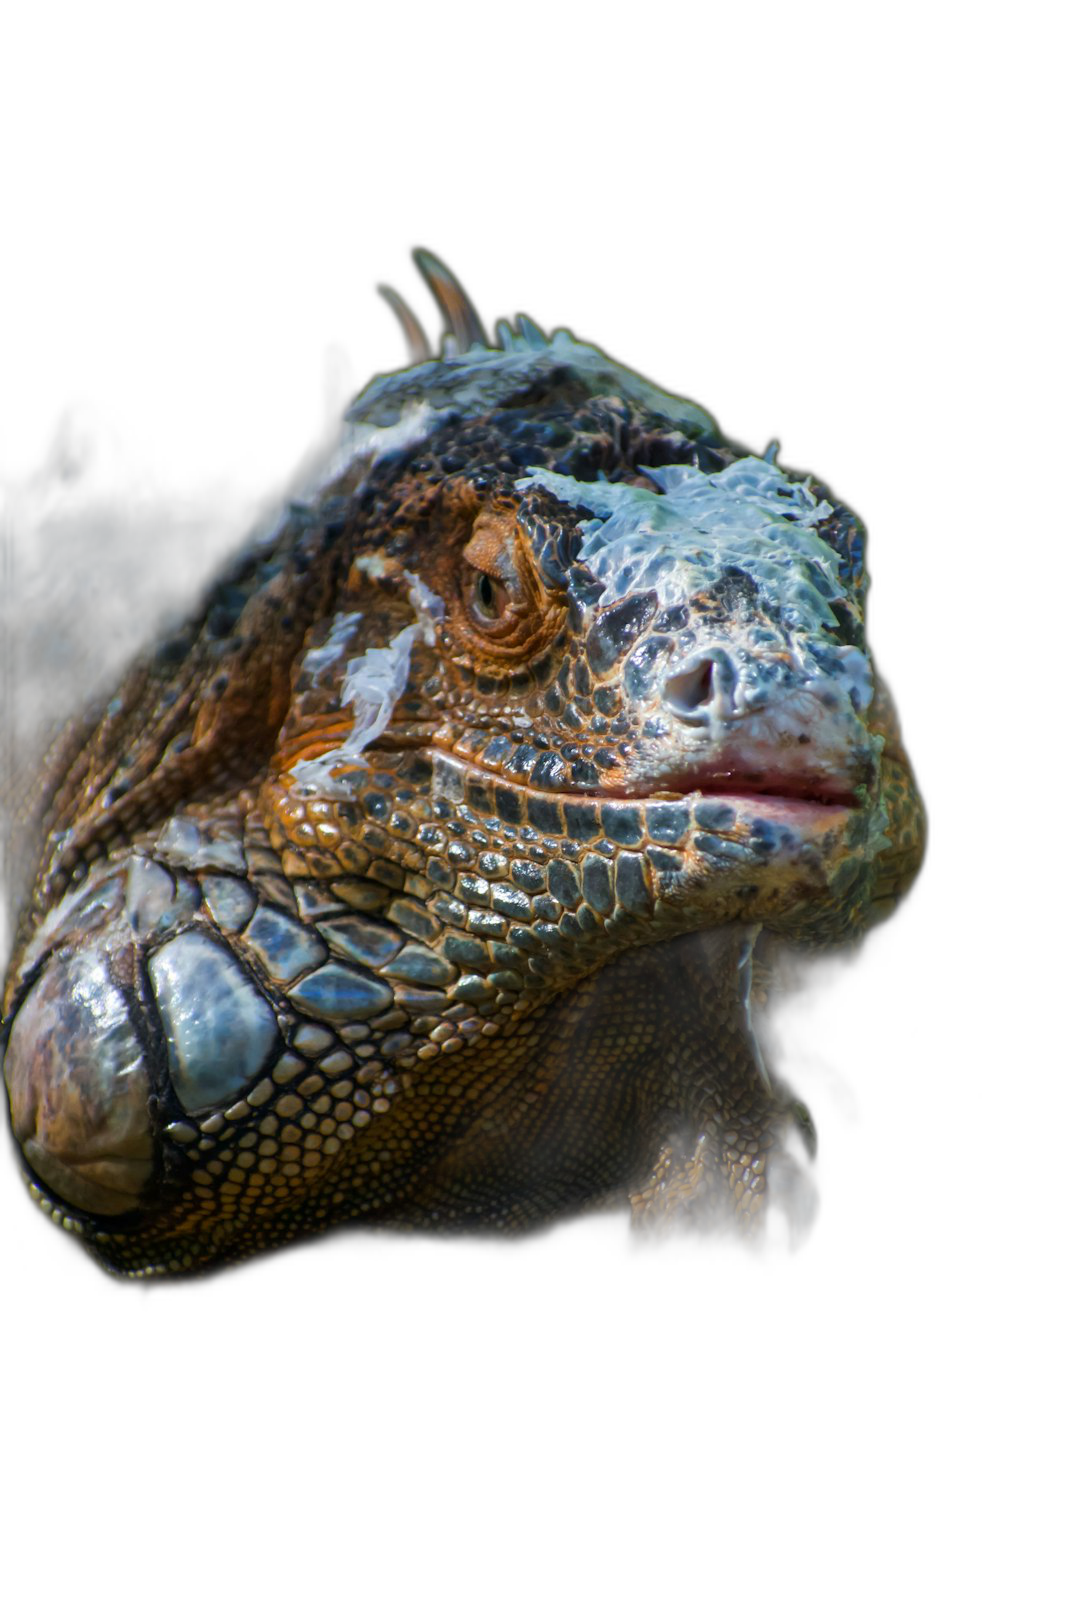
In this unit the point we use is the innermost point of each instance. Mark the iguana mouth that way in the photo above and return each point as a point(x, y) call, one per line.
point(778, 794)
point(774, 790)
point(771, 791)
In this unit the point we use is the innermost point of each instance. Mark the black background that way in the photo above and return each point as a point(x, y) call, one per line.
point(195, 326)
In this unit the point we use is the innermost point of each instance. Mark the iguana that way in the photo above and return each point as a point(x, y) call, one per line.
point(419, 878)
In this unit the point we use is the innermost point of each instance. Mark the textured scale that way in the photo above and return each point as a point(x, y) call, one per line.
point(420, 877)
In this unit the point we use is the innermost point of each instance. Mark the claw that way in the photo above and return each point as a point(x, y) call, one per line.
point(803, 1121)
point(790, 1189)
point(462, 321)
point(415, 336)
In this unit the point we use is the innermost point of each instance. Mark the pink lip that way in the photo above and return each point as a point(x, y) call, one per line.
point(789, 798)
point(780, 807)
point(771, 790)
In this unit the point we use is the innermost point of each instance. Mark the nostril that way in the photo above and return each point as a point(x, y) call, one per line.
point(694, 691)
point(688, 693)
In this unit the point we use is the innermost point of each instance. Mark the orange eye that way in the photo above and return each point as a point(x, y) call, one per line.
point(488, 599)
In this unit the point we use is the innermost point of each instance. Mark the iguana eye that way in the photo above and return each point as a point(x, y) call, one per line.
point(488, 599)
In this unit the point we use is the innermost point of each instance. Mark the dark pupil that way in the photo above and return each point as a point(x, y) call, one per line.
point(485, 593)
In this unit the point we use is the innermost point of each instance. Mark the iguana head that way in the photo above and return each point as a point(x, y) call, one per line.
point(546, 668)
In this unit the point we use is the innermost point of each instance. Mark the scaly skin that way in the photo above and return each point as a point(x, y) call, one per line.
point(418, 878)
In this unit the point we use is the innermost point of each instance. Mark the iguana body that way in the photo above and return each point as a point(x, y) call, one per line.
point(418, 878)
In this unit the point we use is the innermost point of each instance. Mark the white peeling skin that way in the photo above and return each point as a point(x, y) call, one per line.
point(182, 842)
point(789, 679)
point(430, 609)
point(858, 681)
point(749, 516)
point(342, 631)
point(372, 686)
point(373, 683)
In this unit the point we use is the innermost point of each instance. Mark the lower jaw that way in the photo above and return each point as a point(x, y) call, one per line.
point(776, 807)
